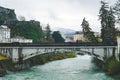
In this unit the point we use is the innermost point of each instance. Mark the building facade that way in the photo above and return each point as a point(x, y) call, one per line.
point(20, 40)
point(4, 34)
point(79, 37)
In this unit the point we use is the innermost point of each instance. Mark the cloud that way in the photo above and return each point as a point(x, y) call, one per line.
point(58, 13)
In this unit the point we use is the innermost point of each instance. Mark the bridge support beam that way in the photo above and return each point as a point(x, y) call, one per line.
point(113, 52)
point(15, 54)
point(92, 51)
point(105, 53)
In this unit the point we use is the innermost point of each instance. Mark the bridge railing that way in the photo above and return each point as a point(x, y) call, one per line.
point(55, 44)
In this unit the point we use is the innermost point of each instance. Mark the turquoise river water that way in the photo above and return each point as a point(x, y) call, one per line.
point(78, 68)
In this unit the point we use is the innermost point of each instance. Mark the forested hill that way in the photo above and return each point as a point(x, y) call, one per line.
point(27, 29)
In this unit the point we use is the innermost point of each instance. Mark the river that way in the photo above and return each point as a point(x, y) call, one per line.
point(78, 68)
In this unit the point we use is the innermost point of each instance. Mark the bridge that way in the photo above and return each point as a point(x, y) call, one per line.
point(28, 50)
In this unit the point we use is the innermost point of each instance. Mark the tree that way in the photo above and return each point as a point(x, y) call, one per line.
point(85, 27)
point(111, 25)
point(47, 35)
point(103, 17)
point(48, 32)
point(87, 31)
point(28, 29)
point(117, 11)
point(57, 37)
point(21, 18)
point(108, 31)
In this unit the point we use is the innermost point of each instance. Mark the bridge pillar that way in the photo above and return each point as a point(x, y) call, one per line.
point(19, 52)
point(106, 53)
point(92, 51)
point(10, 52)
point(3, 51)
point(15, 54)
point(118, 48)
point(113, 52)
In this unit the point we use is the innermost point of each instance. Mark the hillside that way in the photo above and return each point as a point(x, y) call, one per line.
point(6, 15)
point(27, 29)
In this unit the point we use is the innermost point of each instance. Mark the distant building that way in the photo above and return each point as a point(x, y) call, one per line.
point(4, 34)
point(79, 36)
point(21, 40)
point(69, 37)
point(96, 34)
point(62, 34)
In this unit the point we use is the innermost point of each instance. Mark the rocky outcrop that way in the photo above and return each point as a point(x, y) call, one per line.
point(7, 15)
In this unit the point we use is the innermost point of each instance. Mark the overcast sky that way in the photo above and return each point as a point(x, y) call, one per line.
point(58, 13)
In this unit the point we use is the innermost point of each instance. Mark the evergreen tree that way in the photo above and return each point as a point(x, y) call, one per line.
point(85, 27)
point(88, 34)
point(111, 26)
point(103, 17)
point(57, 37)
point(48, 32)
point(108, 31)
point(117, 11)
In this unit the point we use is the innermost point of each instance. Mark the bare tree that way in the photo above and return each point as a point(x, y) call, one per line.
point(21, 18)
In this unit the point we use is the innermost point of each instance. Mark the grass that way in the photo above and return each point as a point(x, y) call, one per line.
point(3, 57)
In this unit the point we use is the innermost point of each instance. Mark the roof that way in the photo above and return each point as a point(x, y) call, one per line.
point(78, 32)
point(3, 27)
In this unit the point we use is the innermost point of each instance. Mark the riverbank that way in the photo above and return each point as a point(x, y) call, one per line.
point(8, 65)
point(44, 58)
point(111, 66)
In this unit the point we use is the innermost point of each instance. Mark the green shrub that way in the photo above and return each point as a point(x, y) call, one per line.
point(71, 54)
point(112, 66)
point(44, 58)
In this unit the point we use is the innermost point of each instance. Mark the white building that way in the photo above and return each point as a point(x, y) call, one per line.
point(4, 34)
point(96, 34)
point(21, 40)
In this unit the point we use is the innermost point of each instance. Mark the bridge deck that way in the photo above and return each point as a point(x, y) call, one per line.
point(53, 44)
